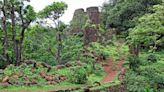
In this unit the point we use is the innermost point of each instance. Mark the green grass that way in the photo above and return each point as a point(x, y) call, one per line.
point(91, 79)
point(101, 87)
point(43, 88)
point(65, 84)
point(94, 78)
point(64, 71)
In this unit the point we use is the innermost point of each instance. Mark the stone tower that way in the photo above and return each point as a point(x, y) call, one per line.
point(78, 20)
point(94, 14)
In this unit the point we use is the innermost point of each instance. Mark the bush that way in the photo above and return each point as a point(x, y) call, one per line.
point(99, 70)
point(133, 61)
point(94, 69)
point(100, 49)
point(136, 83)
point(153, 75)
point(77, 75)
point(9, 70)
point(152, 58)
point(3, 62)
point(149, 72)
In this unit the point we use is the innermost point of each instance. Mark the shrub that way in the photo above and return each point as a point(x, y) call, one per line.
point(153, 75)
point(99, 70)
point(100, 49)
point(3, 62)
point(77, 75)
point(94, 69)
point(133, 61)
point(136, 83)
point(9, 70)
point(149, 72)
point(152, 58)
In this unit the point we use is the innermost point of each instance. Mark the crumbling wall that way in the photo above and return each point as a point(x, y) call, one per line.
point(90, 35)
point(94, 14)
point(78, 21)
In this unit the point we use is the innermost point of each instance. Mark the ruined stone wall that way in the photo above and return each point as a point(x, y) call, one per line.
point(79, 20)
point(90, 35)
point(80, 17)
point(77, 13)
point(94, 14)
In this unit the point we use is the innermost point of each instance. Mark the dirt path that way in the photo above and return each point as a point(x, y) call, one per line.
point(112, 69)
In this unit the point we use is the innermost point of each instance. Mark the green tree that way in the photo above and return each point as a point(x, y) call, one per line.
point(122, 14)
point(40, 44)
point(54, 12)
point(26, 16)
point(3, 14)
point(149, 30)
point(21, 16)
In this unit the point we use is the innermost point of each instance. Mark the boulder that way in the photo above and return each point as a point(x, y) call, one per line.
point(60, 66)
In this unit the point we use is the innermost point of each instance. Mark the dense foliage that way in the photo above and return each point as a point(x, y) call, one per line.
point(122, 14)
point(17, 15)
point(149, 30)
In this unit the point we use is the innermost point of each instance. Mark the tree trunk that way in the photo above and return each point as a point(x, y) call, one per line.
point(15, 42)
point(59, 47)
point(21, 42)
point(23, 26)
point(134, 49)
point(5, 40)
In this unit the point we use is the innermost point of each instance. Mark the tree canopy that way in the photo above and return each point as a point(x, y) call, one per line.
point(149, 30)
point(122, 14)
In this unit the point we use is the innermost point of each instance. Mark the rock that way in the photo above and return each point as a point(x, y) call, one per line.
point(18, 82)
point(76, 88)
point(4, 85)
point(68, 64)
point(42, 74)
point(62, 78)
point(29, 62)
point(34, 82)
point(60, 66)
point(27, 83)
point(52, 82)
point(48, 78)
point(5, 79)
point(78, 63)
point(11, 81)
point(46, 65)
point(86, 89)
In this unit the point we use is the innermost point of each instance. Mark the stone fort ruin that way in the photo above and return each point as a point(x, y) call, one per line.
point(80, 19)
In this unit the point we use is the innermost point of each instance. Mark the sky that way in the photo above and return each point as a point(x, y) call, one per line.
point(72, 5)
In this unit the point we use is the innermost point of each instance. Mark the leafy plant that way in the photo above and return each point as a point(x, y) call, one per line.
point(135, 83)
point(9, 70)
point(152, 58)
point(78, 75)
point(149, 30)
point(133, 61)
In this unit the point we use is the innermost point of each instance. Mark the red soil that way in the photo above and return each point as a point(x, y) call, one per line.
point(112, 69)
